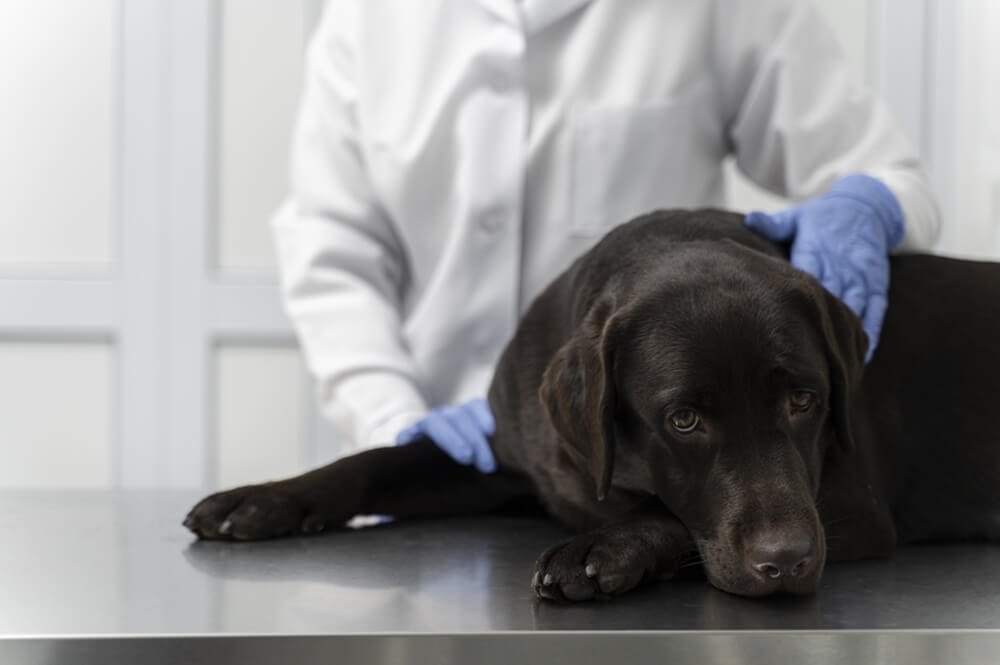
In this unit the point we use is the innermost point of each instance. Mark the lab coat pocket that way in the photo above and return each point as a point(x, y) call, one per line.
point(630, 160)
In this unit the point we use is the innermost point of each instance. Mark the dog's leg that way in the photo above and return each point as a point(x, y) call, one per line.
point(415, 480)
point(611, 560)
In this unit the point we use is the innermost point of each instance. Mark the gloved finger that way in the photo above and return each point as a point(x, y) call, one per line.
point(480, 410)
point(878, 303)
point(778, 226)
point(468, 427)
point(808, 262)
point(872, 261)
point(832, 281)
point(447, 437)
point(831, 277)
point(856, 297)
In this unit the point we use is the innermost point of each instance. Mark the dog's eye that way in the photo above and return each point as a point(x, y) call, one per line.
point(801, 400)
point(685, 420)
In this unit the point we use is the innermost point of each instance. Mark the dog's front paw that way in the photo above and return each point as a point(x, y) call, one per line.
point(595, 565)
point(253, 512)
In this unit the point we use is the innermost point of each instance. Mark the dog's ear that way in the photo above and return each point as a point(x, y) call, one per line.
point(846, 344)
point(578, 393)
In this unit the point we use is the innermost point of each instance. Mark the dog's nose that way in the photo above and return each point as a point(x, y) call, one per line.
point(776, 554)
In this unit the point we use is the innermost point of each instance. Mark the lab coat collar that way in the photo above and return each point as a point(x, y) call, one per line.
point(537, 14)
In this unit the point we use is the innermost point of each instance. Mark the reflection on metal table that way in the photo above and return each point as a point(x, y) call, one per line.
point(92, 577)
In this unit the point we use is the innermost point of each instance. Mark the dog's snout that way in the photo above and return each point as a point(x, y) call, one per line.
point(775, 555)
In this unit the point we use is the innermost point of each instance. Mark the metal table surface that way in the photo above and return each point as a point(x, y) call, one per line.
point(105, 577)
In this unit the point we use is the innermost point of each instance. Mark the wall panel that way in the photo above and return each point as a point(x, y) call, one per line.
point(260, 73)
point(58, 114)
point(974, 231)
point(56, 403)
point(261, 416)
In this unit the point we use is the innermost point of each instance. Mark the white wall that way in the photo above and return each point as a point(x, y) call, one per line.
point(974, 212)
point(58, 166)
point(58, 221)
point(141, 335)
point(56, 414)
point(260, 76)
point(142, 340)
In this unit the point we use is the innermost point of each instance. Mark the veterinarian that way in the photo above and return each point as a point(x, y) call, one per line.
point(452, 157)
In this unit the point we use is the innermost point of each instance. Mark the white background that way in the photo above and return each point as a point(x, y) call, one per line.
point(142, 150)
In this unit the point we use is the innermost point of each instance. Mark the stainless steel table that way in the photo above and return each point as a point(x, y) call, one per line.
point(113, 577)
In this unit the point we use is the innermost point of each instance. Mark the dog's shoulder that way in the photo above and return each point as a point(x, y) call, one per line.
point(668, 230)
point(629, 251)
point(664, 239)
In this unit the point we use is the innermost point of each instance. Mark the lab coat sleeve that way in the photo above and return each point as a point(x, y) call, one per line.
point(796, 119)
point(341, 265)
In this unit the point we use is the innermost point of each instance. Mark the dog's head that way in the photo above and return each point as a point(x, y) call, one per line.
point(720, 382)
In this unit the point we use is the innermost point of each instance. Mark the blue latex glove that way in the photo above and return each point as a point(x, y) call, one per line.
point(460, 430)
point(843, 238)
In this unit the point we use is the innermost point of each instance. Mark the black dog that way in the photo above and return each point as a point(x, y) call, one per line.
point(682, 391)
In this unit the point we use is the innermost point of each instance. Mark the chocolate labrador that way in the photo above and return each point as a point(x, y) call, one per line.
point(682, 391)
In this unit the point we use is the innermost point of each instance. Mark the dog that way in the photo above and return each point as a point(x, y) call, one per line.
point(682, 394)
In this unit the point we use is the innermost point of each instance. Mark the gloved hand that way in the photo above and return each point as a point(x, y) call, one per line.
point(460, 430)
point(843, 238)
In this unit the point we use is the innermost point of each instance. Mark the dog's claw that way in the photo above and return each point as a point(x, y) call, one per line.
point(547, 580)
point(590, 570)
point(226, 527)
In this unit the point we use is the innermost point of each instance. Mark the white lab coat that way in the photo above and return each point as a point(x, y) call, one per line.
point(451, 157)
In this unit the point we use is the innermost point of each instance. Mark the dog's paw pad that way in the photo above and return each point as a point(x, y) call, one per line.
point(245, 513)
point(595, 565)
point(560, 574)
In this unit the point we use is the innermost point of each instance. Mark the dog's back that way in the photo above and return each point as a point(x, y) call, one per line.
point(929, 407)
